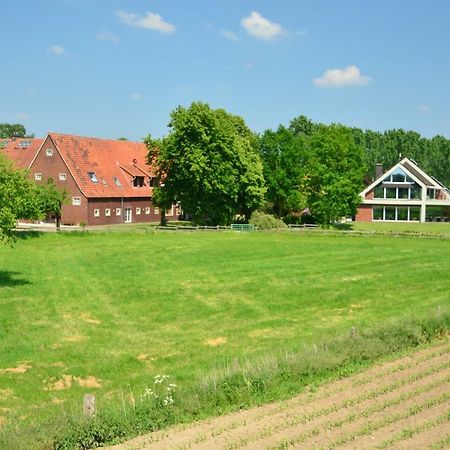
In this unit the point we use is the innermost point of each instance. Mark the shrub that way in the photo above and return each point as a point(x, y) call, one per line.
point(264, 221)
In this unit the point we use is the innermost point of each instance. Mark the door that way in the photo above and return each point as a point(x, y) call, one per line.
point(128, 216)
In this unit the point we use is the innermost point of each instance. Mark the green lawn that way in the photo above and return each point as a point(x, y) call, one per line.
point(114, 309)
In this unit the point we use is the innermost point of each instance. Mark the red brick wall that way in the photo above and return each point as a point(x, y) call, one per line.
point(369, 195)
point(113, 203)
point(364, 214)
point(51, 167)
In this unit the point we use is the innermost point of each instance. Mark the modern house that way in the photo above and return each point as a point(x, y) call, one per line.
point(107, 181)
point(405, 193)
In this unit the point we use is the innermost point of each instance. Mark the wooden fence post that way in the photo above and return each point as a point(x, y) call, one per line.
point(89, 405)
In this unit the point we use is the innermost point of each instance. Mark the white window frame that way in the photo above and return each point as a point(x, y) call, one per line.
point(107, 212)
point(96, 212)
point(49, 152)
point(138, 211)
point(156, 210)
point(118, 211)
point(38, 176)
point(147, 210)
point(62, 176)
point(76, 201)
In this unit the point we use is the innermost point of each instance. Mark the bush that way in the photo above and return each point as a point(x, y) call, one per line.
point(264, 221)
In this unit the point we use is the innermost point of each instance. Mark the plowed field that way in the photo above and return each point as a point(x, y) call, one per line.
point(401, 404)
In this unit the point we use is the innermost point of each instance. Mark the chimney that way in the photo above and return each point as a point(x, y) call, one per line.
point(378, 170)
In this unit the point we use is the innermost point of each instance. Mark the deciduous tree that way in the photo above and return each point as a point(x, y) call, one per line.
point(209, 164)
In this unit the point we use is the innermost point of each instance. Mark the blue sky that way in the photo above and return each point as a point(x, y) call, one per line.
point(112, 68)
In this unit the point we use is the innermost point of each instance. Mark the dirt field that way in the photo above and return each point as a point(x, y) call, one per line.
point(402, 404)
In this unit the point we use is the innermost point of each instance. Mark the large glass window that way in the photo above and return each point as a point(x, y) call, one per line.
point(391, 193)
point(377, 212)
point(402, 213)
point(378, 192)
point(389, 213)
point(416, 192)
point(403, 193)
point(414, 213)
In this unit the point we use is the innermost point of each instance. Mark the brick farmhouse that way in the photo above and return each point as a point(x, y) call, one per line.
point(404, 193)
point(107, 181)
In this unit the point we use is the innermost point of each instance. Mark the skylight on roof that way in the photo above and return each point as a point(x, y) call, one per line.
point(93, 177)
point(24, 144)
point(116, 180)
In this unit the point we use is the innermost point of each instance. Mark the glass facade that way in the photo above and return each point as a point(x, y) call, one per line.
point(394, 213)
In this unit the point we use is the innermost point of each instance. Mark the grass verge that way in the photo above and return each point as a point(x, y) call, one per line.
point(240, 384)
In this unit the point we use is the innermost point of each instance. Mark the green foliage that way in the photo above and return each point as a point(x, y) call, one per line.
point(8, 130)
point(208, 164)
point(333, 173)
point(51, 199)
point(17, 199)
point(264, 221)
point(283, 156)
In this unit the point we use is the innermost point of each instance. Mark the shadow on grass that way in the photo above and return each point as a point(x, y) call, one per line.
point(10, 279)
point(26, 234)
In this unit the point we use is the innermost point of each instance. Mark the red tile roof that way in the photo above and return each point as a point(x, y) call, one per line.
point(20, 151)
point(109, 160)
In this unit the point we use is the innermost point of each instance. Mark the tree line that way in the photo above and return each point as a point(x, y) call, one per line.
point(215, 167)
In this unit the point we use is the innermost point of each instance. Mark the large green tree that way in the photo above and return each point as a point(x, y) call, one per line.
point(333, 173)
point(208, 164)
point(18, 199)
point(283, 156)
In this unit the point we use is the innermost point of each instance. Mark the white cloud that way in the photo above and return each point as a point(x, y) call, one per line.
point(136, 96)
point(150, 21)
point(106, 35)
point(424, 108)
point(57, 50)
point(350, 76)
point(230, 35)
point(249, 66)
point(258, 26)
point(23, 116)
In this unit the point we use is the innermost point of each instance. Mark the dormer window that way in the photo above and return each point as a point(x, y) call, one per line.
point(138, 181)
point(93, 177)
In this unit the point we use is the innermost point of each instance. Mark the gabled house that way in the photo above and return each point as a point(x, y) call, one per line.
point(405, 193)
point(107, 181)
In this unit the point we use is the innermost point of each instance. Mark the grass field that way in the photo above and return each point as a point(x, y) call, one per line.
point(105, 312)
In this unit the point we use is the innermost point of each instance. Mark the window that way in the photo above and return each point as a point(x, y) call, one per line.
point(147, 210)
point(96, 212)
point(402, 213)
point(414, 213)
point(389, 213)
point(118, 211)
point(38, 176)
point(169, 212)
point(378, 213)
point(378, 192)
point(76, 201)
point(138, 181)
point(138, 211)
point(49, 152)
point(108, 212)
point(391, 192)
point(403, 193)
point(116, 180)
point(156, 210)
point(62, 177)
point(93, 177)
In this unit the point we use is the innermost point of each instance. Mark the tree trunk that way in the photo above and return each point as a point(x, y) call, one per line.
point(163, 221)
